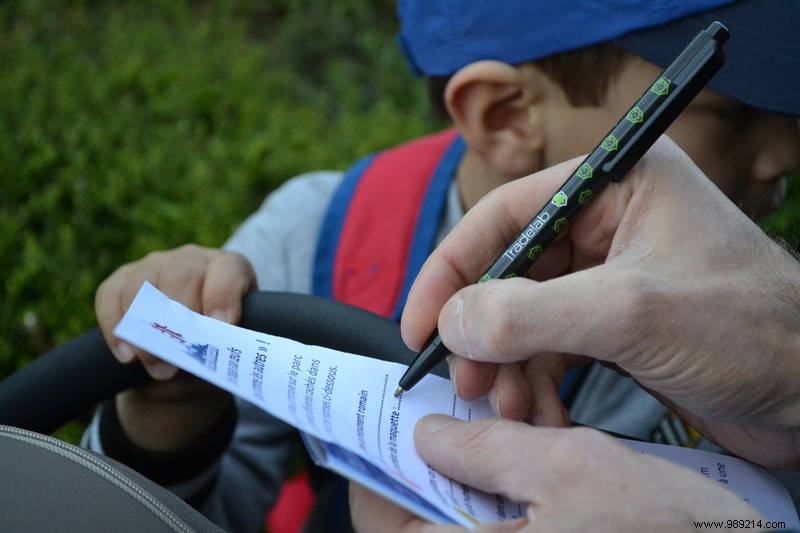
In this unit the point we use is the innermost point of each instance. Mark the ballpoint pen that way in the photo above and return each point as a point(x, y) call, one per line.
point(612, 159)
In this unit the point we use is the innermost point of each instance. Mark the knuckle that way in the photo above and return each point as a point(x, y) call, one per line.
point(180, 274)
point(155, 256)
point(190, 248)
point(481, 442)
point(580, 450)
point(481, 436)
point(495, 327)
point(183, 252)
point(231, 260)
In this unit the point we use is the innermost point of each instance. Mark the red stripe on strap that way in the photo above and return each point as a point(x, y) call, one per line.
point(376, 237)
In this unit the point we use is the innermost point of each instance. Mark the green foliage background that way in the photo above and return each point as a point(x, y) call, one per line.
point(130, 126)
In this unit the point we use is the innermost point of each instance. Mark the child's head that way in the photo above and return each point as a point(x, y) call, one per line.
point(533, 82)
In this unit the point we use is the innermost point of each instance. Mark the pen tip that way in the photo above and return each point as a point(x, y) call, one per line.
point(398, 392)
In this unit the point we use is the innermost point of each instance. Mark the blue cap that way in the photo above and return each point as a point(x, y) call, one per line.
point(762, 65)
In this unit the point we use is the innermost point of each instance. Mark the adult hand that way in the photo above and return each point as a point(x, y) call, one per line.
point(660, 275)
point(570, 479)
point(177, 408)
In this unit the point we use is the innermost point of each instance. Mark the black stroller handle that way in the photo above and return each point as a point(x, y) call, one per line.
point(70, 379)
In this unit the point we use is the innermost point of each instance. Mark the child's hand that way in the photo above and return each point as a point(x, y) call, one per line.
point(206, 280)
point(176, 409)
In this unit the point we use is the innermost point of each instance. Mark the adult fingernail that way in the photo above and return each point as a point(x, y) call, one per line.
point(494, 401)
point(451, 327)
point(124, 352)
point(452, 368)
point(433, 423)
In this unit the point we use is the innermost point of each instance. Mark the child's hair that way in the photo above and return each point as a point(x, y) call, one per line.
point(583, 74)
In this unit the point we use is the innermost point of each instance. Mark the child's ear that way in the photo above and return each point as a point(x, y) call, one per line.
point(498, 115)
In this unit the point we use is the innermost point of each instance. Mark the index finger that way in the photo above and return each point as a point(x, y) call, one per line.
point(229, 276)
point(111, 303)
point(475, 242)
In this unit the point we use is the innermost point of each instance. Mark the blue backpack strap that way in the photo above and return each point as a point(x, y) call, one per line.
point(382, 223)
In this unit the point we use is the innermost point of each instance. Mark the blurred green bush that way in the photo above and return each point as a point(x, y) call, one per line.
point(130, 126)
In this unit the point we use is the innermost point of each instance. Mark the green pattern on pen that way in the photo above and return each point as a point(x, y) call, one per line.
point(535, 252)
point(560, 199)
point(585, 171)
point(560, 225)
point(635, 115)
point(660, 87)
point(610, 144)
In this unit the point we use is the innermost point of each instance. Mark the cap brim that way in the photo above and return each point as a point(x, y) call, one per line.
point(762, 57)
